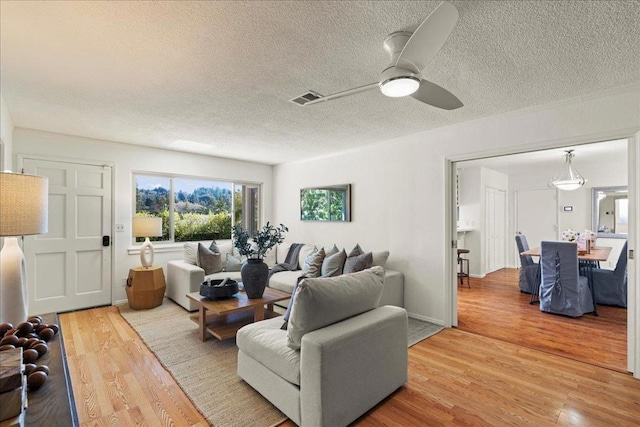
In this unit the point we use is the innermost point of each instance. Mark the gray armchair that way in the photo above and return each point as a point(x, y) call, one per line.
point(339, 356)
point(562, 289)
point(529, 270)
point(611, 285)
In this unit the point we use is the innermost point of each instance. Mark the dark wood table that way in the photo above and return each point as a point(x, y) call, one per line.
point(53, 404)
point(588, 260)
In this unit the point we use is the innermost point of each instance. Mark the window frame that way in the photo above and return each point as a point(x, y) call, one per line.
point(171, 178)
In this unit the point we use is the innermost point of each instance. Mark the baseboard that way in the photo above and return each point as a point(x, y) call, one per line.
point(121, 301)
point(426, 319)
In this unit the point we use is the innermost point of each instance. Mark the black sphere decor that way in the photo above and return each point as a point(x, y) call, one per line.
point(255, 276)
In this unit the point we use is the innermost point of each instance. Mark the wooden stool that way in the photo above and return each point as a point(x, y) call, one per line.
point(145, 287)
point(463, 267)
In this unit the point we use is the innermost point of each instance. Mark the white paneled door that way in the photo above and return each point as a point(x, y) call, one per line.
point(495, 230)
point(69, 268)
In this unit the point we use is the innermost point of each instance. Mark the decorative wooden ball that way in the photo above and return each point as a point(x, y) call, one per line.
point(36, 379)
point(29, 367)
point(30, 355)
point(4, 327)
point(35, 319)
point(25, 328)
point(46, 334)
point(55, 328)
point(6, 347)
point(9, 339)
point(22, 341)
point(43, 368)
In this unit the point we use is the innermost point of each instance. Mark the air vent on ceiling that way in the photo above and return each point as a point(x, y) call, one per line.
point(306, 97)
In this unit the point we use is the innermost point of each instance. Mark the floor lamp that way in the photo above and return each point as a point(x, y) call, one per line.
point(23, 212)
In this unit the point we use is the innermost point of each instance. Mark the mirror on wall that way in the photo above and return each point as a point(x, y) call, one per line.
point(331, 203)
point(610, 211)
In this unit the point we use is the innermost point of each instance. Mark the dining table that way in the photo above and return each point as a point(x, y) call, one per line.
point(587, 260)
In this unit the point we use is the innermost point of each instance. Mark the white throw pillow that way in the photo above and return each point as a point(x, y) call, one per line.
point(282, 251)
point(322, 302)
point(190, 255)
point(270, 257)
point(304, 252)
point(380, 258)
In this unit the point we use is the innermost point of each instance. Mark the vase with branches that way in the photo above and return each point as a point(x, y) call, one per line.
point(254, 272)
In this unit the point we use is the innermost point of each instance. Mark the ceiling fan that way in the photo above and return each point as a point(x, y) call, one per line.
point(410, 54)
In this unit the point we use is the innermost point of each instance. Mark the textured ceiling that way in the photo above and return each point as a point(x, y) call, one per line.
point(219, 74)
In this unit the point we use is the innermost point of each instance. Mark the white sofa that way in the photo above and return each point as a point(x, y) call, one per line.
point(184, 277)
point(341, 355)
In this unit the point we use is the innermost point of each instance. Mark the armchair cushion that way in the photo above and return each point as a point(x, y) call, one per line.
point(320, 302)
point(266, 342)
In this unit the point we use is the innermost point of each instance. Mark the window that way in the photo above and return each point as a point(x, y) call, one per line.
point(196, 209)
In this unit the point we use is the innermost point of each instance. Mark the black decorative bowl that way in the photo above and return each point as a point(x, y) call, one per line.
point(209, 290)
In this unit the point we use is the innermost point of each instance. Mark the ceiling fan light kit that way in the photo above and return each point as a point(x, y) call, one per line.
point(568, 178)
point(410, 54)
point(399, 86)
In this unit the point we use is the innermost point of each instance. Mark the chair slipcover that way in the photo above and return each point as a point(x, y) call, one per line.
point(528, 281)
point(562, 289)
point(611, 285)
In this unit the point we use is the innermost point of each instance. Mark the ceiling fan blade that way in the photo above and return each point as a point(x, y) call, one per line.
point(428, 39)
point(432, 94)
point(343, 93)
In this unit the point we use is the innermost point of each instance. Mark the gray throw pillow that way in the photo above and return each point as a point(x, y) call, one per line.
point(209, 259)
point(233, 263)
point(287, 313)
point(313, 264)
point(333, 265)
point(321, 302)
point(334, 250)
point(357, 250)
point(358, 263)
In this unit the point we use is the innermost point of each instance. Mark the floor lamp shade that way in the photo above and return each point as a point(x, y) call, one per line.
point(146, 226)
point(23, 212)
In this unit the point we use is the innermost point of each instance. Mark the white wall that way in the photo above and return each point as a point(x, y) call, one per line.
point(6, 137)
point(127, 159)
point(611, 173)
point(399, 195)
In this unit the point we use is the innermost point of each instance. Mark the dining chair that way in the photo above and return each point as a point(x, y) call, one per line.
point(529, 277)
point(562, 289)
point(611, 285)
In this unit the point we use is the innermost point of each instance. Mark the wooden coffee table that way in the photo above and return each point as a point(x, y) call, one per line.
point(223, 317)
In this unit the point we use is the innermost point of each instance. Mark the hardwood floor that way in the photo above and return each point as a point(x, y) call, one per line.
point(116, 380)
point(494, 307)
point(455, 378)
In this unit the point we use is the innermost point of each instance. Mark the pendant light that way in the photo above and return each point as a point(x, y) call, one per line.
point(568, 178)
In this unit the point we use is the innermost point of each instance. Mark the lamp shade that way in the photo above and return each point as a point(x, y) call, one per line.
point(145, 226)
point(23, 204)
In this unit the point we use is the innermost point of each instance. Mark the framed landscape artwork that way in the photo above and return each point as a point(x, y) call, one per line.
point(331, 203)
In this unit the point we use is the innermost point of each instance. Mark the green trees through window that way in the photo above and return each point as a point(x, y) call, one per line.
point(325, 203)
point(192, 209)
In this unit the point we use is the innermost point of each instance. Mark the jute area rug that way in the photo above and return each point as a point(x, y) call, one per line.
point(420, 330)
point(206, 371)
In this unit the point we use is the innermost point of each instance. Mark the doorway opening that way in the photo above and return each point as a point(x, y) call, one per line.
point(494, 306)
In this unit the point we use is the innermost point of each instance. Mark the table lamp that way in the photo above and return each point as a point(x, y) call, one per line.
point(23, 211)
point(146, 226)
